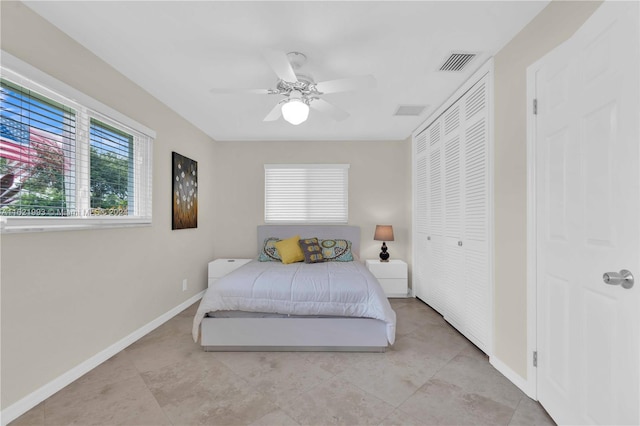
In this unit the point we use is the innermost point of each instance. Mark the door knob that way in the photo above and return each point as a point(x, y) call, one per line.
point(624, 278)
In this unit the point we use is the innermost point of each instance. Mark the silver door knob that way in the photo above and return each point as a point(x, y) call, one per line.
point(624, 278)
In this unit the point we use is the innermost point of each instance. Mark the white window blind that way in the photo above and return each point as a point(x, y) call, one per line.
point(64, 165)
point(306, 193)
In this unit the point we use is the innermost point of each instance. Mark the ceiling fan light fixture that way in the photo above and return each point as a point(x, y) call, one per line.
point(295, 111)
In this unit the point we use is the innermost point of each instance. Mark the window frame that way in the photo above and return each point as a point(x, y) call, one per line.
point(343, 199)
point(86, 108)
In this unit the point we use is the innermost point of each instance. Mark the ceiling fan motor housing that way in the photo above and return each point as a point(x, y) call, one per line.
point(305, 85)
point(297, 59)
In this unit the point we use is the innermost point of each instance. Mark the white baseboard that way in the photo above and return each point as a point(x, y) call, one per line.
point(20, 407)
point(514, 377)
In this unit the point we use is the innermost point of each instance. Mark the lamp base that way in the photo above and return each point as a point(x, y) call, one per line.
point(384, 256)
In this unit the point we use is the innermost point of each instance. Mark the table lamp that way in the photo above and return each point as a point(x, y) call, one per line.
point(383, 233)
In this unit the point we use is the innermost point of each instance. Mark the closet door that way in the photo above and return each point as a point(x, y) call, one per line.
point(421, 270)
point(477, 284)
point(452, 268)
point(452, 283)
point(438, 296)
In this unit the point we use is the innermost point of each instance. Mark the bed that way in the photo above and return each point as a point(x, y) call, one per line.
point(270, 306)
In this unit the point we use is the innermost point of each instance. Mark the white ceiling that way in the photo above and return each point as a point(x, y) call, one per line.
point(178, 50)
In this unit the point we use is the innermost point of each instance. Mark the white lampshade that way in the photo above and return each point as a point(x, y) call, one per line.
point(295, 111)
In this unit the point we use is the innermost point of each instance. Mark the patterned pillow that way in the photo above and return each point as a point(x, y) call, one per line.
point(336, 250)
point(269, 252)
point(312, 251)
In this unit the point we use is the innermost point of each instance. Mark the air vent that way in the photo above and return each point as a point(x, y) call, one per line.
point(457, 61)
point(410, 110)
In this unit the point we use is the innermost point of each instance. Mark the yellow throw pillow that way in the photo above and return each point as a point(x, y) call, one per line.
point(289, 250)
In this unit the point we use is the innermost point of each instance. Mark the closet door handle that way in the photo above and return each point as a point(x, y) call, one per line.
point(460, 243)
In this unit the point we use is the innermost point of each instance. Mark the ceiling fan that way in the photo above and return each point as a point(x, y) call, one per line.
point(299, 89)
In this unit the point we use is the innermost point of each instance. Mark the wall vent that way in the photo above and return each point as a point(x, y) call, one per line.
point(410, 110)
point(457, 61)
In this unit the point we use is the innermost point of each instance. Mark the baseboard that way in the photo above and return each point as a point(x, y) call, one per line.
point(20, 407)
point(514, 377)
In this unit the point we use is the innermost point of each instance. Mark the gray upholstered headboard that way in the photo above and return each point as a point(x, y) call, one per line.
point(351, 233)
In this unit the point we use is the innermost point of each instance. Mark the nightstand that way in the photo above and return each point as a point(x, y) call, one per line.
point(221, 267)
point(392, 275)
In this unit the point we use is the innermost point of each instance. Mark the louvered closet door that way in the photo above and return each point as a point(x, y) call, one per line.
point(477, 287)
point(452, 264)
point(437, 294)
point(453, 259)
point(421, 269)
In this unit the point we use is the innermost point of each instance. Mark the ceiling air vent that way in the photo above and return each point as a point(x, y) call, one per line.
point(410, 110)
point(457, 61)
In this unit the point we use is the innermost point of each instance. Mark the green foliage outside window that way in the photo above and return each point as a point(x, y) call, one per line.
point(109, 181)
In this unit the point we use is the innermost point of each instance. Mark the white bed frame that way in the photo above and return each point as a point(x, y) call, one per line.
point(297, 333)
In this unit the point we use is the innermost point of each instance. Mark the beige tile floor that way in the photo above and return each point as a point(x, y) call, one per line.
point(432, 376)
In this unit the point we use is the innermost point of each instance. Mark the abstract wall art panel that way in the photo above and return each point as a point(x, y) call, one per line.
point(185, 192)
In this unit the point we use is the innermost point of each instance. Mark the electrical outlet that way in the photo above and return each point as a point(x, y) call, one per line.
point(184, 285)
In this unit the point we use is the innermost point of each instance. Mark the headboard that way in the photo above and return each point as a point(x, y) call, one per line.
point(351, 233)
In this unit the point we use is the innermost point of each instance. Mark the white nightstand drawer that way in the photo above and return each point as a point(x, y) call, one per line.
point(221, 267)
point(392, 276)
point(391, 269)
point(394, 287)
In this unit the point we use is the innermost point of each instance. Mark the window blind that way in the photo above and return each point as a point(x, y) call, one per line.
point(37, 144)
point(61, 161)
point(306, 193)
point(111, 177)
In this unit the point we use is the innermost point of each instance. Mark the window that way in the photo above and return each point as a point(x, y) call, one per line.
point(66, 165)
point(111, 168)
point(36, 148)
point(306, 193)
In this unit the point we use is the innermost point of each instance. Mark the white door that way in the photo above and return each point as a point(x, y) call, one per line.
point(476, 155)
point(453, 263)
point(588, 221)
point(435, 240)
point(421, 275)
point(452, 216)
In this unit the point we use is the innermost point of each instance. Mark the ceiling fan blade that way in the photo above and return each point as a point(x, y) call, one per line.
point(346, 84)
point(224, 91)
point(329, 109)
point(280, 64)
point(275, 113)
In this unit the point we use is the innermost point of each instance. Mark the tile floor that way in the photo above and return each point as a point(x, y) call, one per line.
point(432, 376)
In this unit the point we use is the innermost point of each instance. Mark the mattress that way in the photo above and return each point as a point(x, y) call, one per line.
point(341, 289)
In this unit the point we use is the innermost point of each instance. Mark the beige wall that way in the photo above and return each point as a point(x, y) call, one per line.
point(69, 295)
point(556, 23)
point(379, 189)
